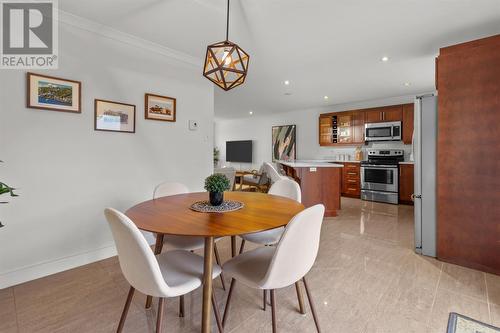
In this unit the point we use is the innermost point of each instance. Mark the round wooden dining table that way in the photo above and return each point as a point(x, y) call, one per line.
point(172, 215)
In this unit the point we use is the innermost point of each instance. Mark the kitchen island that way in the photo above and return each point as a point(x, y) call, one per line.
point(320, 182)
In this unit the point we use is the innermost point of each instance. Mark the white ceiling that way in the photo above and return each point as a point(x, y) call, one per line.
point(324, 47)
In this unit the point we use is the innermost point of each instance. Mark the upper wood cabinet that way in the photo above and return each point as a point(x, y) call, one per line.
point(348, 127)
point(383, 114)
point(341, 128)
point(325, 130)
point(358, 118)
point(407, 123)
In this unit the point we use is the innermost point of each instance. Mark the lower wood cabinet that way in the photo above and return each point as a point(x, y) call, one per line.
point(351, 180)
point(406, 183)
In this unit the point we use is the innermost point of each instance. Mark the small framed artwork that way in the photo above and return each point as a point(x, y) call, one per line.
point(284, 143)
point(114, 116)
point(52, 93)
point(159, 107)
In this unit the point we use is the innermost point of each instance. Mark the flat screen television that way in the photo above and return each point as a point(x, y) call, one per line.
point(239, 151)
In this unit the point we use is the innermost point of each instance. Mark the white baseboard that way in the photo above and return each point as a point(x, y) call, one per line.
point(12, 278)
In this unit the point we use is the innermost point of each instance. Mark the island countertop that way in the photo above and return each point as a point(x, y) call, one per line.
point(310, 164)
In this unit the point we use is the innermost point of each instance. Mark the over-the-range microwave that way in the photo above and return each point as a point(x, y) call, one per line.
point(390, 131)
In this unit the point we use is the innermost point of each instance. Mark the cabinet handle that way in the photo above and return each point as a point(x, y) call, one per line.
point(383, 115)
point(352, 173)
point(351, 181)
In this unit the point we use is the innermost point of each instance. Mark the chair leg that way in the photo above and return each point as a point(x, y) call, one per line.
point(228, 302)
point(159, 316)
point(302, 309)
point(158, 248)
point(217, 313)
point(264, 299)
point(273, 310)
point(181, 306)
point(217, 260)
point(311, 304)
point(242, 246)
point(125, 309)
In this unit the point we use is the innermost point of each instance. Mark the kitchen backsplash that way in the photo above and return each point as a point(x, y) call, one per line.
point(347, 153)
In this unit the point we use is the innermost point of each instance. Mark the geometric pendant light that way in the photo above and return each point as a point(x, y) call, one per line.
point(226, 64)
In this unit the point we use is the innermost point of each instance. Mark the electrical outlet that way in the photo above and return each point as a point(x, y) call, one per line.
point(193, 125)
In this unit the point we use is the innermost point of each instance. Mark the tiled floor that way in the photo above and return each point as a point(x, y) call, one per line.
point(366, 279)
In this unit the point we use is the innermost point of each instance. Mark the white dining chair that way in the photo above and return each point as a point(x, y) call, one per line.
point(271, 268)
point(169, 274)
point(272, 173)
point(230, 173)
point(284, 187)
point(187, 243)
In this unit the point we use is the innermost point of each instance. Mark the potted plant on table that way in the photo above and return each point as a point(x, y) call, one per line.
point(216, 184)
point(6, 189)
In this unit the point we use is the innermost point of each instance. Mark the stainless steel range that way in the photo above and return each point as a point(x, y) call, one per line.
point(379, 175)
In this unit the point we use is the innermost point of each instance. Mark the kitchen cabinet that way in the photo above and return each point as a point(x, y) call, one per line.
point(351, 181)
point(408, 123)
point(468, 195)
point(383, 114)
point(406, 183)
point(358, 118)
point(325, 130)
point(348, 127)
point(341, 128)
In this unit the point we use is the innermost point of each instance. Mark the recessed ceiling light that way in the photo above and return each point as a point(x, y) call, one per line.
point(250, 112)
point(385, 59)
point(286, 82)
point(325, 97)
point(407, 84)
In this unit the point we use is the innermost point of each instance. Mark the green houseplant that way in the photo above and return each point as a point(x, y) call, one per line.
point(216, 184)
point(6, 189)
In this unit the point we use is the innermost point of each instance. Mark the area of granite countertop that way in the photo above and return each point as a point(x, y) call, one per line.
point(311, 164)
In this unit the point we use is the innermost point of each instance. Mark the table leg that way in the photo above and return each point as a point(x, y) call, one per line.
point(158, 248)
point(233, 246)
point(207, 284)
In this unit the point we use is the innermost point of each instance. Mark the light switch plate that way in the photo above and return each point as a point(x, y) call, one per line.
point(193, 125)
point(312, 169)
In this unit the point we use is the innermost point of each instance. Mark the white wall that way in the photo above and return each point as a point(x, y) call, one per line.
point(67, 173)
point(258, 129)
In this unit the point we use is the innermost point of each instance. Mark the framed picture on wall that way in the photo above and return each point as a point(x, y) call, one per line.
point(284, 145)
point(114, 116)
point(159, 107)
point(52, 93)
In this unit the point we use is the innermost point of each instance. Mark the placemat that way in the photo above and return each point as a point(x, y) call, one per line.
point(458, 323)
point(226, 206)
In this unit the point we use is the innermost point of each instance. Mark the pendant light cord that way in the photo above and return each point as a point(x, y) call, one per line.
point(227, 23)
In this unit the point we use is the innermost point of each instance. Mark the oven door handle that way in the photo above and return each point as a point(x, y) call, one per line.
point(380, 166)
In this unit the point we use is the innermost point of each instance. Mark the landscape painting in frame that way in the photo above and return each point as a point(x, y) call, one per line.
point(159, 107)
point(114, 116)
point(284, 143)
point(52, 93)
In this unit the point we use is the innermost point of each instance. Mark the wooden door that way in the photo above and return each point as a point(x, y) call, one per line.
point(407, 123)
point(468, 164)
point(373, 116)
point(358, 118)
point(325, 130)
point(392, 113)
point(345, 127)
point(351, 181)
point(406, 183)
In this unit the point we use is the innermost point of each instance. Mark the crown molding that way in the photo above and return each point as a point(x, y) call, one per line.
point(111, 33)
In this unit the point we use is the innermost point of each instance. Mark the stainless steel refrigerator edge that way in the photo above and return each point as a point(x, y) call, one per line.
point(424, 147)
